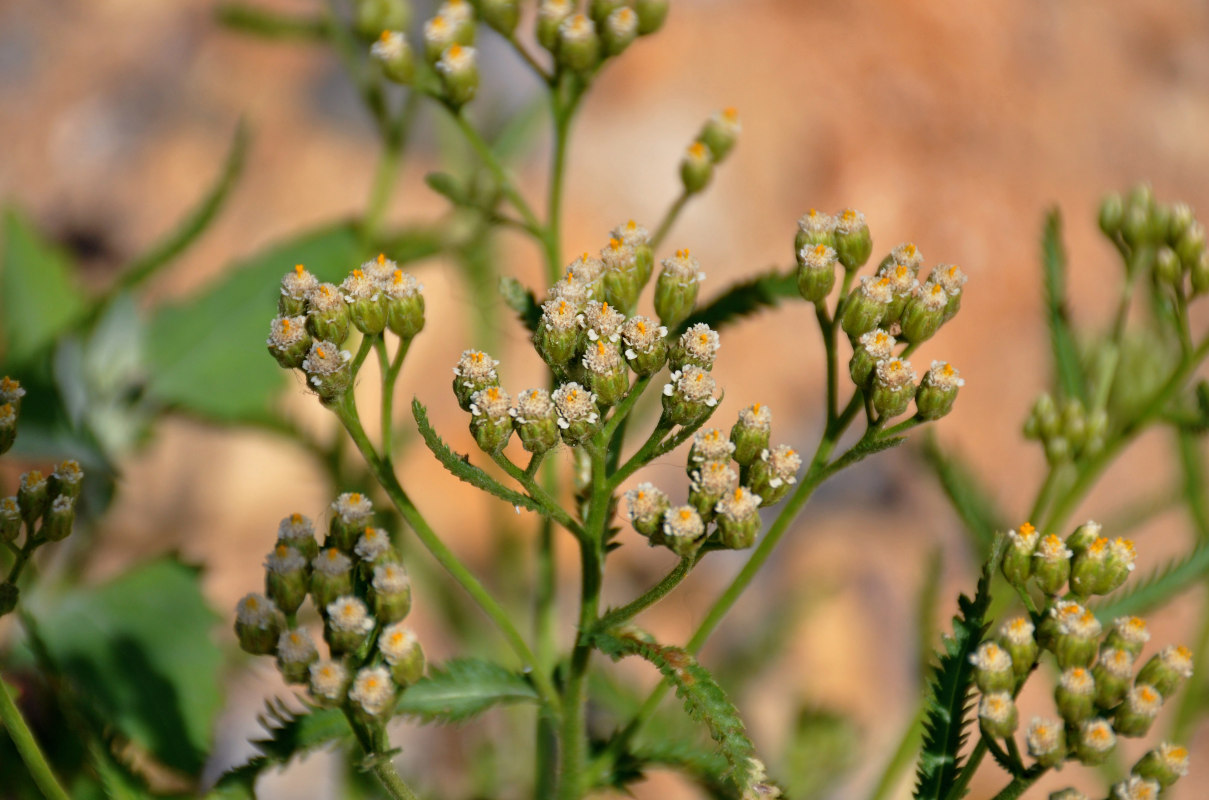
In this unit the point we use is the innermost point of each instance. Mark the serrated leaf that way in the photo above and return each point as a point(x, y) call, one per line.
point(464, 688)
point(460, 465)
point(39, 297)
point(969, 496)
point(947, 710)
point(1158, 587)
point(703, 698)
point(745, 299)
point(521, 300)
point(1067, 367)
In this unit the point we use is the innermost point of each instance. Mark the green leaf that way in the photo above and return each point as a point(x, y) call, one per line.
point(745, 299)
point(1158, 587)
point(464, 688)
point(703, 699)
point(707, 768)
point(947, 711)
point(1068, 369)
point(967, 493)
point(461, 468)
point(207, 353)
point(140, 648)
point(822, 748)
point(522, 301)
point(39, 297)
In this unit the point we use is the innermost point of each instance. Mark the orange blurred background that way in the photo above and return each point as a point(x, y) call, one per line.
point(950, 124)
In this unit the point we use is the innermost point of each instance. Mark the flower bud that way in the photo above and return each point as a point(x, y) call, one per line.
point(536, 420)
point(651, 14)
point(697, 347)
point(1089, 567)
point(676, 288)
point(578, 416)
point(689, 396)
point(285, 579)
point(1075, 695)
point(1016, 638)
point(578, 44)
point(1167, 670)
point(67, 480)
point(619, 31)
point(404, 300)
point(8, 427)
point(751, 433)
point(258, 624)
point(1077, 639)
point(459, 73)
point(475, 371)
point(329, 682)
point(682, 532)
point(1135, 788)
point(1112, 214)
point(331, 576)
point(33, 496)
point(720, 133)
point(11, 393)
point(10, 519)
point(393, 54)
point(351, 513)
point(500, 15)
point(460, 14)
point(1046, 741)
point(1191, 245)
point(870, 348)
point(605, 372)
point(938, 391)
point(864, 308)
point(1018, 558)
point(774, 473)
point(1164, 765)
point(372, 16)
point(893, 387)
point(296, 287)
point(816, 272)
point(402, 652)
point(1118, 565)
point(924, 313)
point(696, 168)
point(600, 10)
point(1051, 619)
point(1113, 673)
point(638, 239)
point(1137, 712)
point(904, 287)
point(289, 341)
point(708, 445)
point(711, 482)
point(327, 315)
point(373, 693)
point(558, 332)
point(373, 548)
point(1198, 275)
point(1052, 567)
point(997, 715)
point(9, 595)
point(57, 524)
point(622, 277)
point(645, 345)
point(1129, 634)
point(296, 652)
point(328, 370)
point(364, 303)
point(440, 33)
point(298, 532)
point(993, 668)
point(390, 594)
point(814, 228)
point(853, 244)
point(1167, 267)
point(550, 17)
point(1096, 740)
point(491, 418)
point(738, 517)
point(1083, 537)
point(647, 505)
point(953, 280)
point(347, 624)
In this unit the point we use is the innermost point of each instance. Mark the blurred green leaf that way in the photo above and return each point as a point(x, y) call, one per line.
point(39, 297)
point(967, 493)
point(822, 748)
point(464, 688)
point(140, 648)
point(1069, 371)
point(522, 301)
point(207, 353)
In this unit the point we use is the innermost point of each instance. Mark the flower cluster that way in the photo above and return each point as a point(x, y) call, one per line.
point(314, 319)
point(1099, 695)
point(361, 592)
point(1169, 237)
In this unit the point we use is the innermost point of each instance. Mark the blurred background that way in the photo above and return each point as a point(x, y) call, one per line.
point(950, 124)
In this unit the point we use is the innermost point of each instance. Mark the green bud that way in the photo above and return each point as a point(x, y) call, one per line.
point(390, 592)
point(696, 168)
point(893, 387)
point(1016, 637)
point(374, 16)
point(578, 44)
point(997, 715)
point(558, 334)
point(1112, 214)
point(622, 278)
point(1199, 274)
point(651, 14)
point(10, 519)
point(689, 396)
point(402, 653)
point(1135, 788)
point(9, 595)
point(1076, 695)
point(352, 512)
point(1167, 267)
point(331, 576)
point(751, 433)
point(618, 31)
point(1049, 423)
point(682, 531)
point(904, 287)
point(953, 280)
point(993, 671)
point(67, 480)
point(924, 313)
point(645, 344)
point(1135, 226)
point(814, 228)
point(1018, 559)
point(346, 624)
point(440, 33)
point(1095, 741)
point(676, 289)
point(500, 15)
point(1167, 670)
point(1141, 196)
point(1164, 765)
point(1191, 245)
point(938, 391)
point(374, 549)
point(738, 518)
point(647, 505)
point(296, 287)
point(296, 652)
point(1076, 639)
point(605, 372)
point(1088, 568)
point(869, 349)
point(711, 482)
point(1159, 223)
point(364, 298)
point(286, 579)
point(1137, 711)
point(459, 74)
point(329, 683)
point(816, 272)
point(774, 473)
point(491, 418)
point(865, 307)
point(1052, 567)
point(394, 56)
point(327, 317)
point(536, 420)
point(1083, 537)
point(1179, 220)
point(8, 427)
point(1046, 741)
point(328, 370)
point(258, 624)
point(1113, 674)
point(696, 347)
point(720, 133)
point(550, 16)
point(33, 497)
point(1129, 634)
point(600, 10)
point(853, 244)
point(1119, 563)
point(460, 14)
point(289, 341)
point(1057, 450)
point(298, 532)
point(578, 416)
point(709, 444)
point(475, 371)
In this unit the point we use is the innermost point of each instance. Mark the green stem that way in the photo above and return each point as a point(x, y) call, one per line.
point(496, 168)
point(618, 616)
point(383, 186)
point(669, 219)
point(27, 746)
point(550, 507)
point(390, 374)
point(564, 113)
point(528, 58)
point(1019, 784)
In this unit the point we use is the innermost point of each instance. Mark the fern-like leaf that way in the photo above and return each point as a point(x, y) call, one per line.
point(522, 301)
point(460, 466)
point(745, 299)
point(948, 705)
point(464, 688)
point(1158, 587)
point(1066, 354)
point(703, 698)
